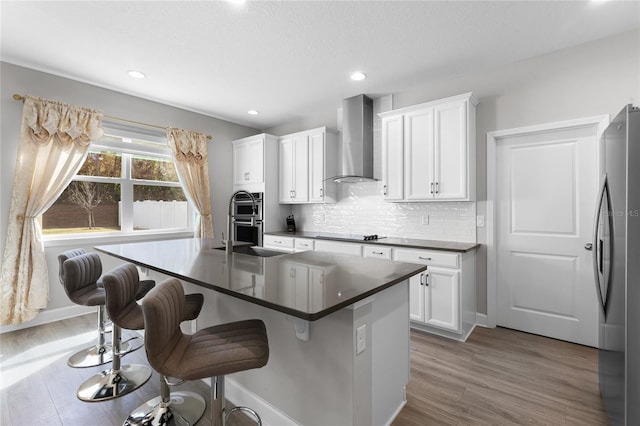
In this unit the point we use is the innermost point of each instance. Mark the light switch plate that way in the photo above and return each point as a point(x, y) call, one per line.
point(361, 339)
point(425, 219)
point(479, 221)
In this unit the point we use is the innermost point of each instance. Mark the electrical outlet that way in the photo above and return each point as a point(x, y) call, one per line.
point(425, 219)
point(361, 339)
point(480, 221)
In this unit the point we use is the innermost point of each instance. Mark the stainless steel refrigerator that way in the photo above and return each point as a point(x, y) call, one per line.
point(616, 250)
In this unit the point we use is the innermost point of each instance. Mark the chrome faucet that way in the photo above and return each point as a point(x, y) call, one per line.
point(228, 243)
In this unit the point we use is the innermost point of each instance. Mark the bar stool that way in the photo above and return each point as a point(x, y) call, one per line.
point(90, 293)
point(184, 407)
point(210, 352)
point(118, 380)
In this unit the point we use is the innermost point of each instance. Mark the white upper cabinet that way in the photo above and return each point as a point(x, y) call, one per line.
point(392, 154)
point(306, 160)
point(248, 160)
point(429, 151)
point(451, 145)
point(294, 166)
point(418, 158)
point(316, 166)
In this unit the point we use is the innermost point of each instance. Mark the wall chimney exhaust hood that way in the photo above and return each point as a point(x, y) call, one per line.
point(356, 150)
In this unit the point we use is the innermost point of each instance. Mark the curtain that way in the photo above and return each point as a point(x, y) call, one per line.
point(190, 156)
point(54, 142)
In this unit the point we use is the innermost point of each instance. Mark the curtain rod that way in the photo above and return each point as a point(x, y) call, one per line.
point(18, 97)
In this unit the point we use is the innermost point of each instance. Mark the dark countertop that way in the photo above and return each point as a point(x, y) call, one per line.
point(387, 241)
point(307, 285)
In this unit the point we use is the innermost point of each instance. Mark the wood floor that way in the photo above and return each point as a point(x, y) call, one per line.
point(501, 377)
point(498, 377)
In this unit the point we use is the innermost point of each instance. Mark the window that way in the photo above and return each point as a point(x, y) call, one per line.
point(128, 183)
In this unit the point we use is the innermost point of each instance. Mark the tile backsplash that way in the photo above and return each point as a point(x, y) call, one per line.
point(361, 209)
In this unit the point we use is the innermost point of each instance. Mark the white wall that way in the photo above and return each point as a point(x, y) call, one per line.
point(23, 81)
point(587, 80)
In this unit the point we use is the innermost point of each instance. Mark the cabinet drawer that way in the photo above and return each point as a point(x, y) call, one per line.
point(427, 257)
point(277, 242)
point(302, 244)
point(339, 248)
point(377, 252)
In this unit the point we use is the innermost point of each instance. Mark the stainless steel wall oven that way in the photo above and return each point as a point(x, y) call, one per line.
point(247, 221)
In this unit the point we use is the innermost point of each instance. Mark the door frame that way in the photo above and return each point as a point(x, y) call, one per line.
point(600, 122)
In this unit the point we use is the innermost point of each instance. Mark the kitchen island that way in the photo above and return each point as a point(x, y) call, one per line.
point(338, 326)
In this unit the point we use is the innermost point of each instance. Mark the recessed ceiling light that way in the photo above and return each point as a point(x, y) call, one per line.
point(136, 74)
point(357, 76)
point(252, 112)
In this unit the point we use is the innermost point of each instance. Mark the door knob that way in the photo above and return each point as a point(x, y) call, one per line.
point(588, 246)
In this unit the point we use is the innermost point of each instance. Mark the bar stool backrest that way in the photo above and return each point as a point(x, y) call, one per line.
point(64, 256)
point(121, 285)
point(81, 274)
point(163, 309)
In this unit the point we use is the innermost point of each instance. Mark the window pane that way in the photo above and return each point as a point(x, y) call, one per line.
point(153, 168)
point(159, 207)
point(102, 163)
point(84, 207)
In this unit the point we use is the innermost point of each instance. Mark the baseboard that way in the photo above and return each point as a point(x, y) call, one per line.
point(481, 320)
point(51, 315)
point(238, 395)
point(396, 413)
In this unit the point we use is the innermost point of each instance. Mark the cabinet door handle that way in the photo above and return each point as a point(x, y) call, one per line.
point(431, 187)
point(377, 252)
point(246, 176)
point(277, 242)
point(424, 258)
point(293, 194)
point(321, 192)
point(437, 187)
point(384, 190)
point(426, 280)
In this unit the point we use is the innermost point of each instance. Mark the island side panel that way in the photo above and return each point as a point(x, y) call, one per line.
point(391, 352)
point(306, 382)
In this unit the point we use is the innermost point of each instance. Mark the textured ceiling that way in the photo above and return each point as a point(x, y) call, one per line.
point(290, 60)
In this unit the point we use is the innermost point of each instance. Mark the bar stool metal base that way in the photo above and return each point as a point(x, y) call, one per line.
point(219, 413)
point(109, 384)
point(184, 408)
point(245, 410)
point(91, 357)
point(102, 354)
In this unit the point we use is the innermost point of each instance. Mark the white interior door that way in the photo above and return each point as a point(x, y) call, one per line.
point(546, 188)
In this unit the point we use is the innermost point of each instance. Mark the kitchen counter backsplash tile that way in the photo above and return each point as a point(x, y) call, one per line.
point(361, 209)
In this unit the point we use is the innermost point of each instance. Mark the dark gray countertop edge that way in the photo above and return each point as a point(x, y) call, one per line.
point(390, 241)
point(289, 311)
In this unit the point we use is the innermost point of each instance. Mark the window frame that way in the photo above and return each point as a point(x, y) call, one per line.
point(126, 182)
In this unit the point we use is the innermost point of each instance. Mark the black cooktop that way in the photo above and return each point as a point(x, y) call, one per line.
point(357, 237)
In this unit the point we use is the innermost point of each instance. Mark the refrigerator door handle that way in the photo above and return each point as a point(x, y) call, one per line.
point(595, 245)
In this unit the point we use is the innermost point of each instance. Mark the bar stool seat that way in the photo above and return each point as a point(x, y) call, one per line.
point(210, 352)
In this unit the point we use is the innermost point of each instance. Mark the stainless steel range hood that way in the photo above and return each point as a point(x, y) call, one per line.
point(357, 141)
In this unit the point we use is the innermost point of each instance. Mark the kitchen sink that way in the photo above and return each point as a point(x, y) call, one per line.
point(254, 251)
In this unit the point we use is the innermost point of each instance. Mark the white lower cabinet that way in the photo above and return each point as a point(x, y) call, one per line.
point(303, 244)
point(442, 298)
point(278, 243)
